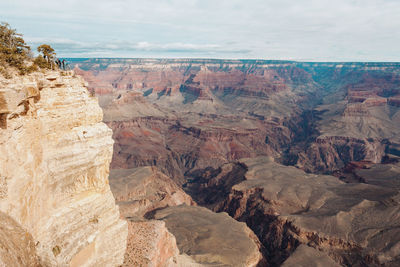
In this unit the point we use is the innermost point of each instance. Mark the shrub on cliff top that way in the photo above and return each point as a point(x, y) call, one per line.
point(47, 56)
point(15, 53)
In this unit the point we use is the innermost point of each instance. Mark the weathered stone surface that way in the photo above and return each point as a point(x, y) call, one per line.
point(151, 244)
point(54, 160)
point(144, 192)
point(17, 247)
point(305, 256)
point(355, 224)
point(210, 238)
point(141, 190)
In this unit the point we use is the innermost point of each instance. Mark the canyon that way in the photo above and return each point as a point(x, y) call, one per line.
point(317, 116)
point(306, 154)
point(201, 162)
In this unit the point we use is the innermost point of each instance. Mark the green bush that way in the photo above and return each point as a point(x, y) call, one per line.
point(15, 53)
point(41, 62)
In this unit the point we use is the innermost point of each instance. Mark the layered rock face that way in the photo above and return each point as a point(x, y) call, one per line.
point(167, 229)
point(356, 120)
point(196, 120)
point(55, 153)
point(355, 224)
point(183, 116)
point(17, 247)
point(192, 114)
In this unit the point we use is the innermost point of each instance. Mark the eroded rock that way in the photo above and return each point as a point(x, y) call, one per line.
point(17, 247)
point(54, 160)
point(210, 238)
point(142, 190)
point(355, 224)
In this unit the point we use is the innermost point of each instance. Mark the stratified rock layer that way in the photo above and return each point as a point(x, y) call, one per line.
point(189, 114)
point(16, 245)
point(54, 160)
point(355, 224)
point(195, 118)
point(139, 192)
point(190, 235)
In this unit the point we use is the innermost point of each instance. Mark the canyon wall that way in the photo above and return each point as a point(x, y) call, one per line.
point(167, 228)
point(196, 120)
point(55, 153)
point(188, 114)
point(354, 224)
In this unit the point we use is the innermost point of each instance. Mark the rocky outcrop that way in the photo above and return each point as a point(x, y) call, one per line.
point(329, 153)
point(54, 160)
point(355, 224)
point(305, 256)
point(210, 238)
point(139, 193)
point(190, 236)
point(151, 244)
point(17, 247)
point(145, 189)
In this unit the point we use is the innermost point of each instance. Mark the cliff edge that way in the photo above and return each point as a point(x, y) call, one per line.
point(55, 154)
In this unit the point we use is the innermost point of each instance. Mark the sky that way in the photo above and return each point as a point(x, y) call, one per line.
point(303, 30)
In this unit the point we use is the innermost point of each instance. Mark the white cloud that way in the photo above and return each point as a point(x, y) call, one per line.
point(284, 29)
point(69, 48)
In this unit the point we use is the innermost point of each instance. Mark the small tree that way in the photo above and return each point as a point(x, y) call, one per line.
point(47, 51)
point(14, 51)
point(47, 55)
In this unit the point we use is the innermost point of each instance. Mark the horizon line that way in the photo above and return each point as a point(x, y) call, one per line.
point(227, 59)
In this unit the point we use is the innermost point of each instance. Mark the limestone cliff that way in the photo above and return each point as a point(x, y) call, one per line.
point(54, 163)
point(16, 245)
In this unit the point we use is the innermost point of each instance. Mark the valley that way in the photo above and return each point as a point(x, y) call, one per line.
point(306, 154)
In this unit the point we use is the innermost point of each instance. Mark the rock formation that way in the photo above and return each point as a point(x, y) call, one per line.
point(151, 244)
point(196, 120)
point(318, 116)
point(190, 236)
point(355, 224)
point(54, 160)
point(305, 256)
point(17, 247)
point(210, 238)
point(144, 189)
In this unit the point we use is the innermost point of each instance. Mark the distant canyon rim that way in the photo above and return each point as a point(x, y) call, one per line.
point(306, 154)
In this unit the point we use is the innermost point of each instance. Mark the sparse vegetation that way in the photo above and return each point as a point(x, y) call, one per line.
point(16, 54)
point(56, 251)
point(46, 58)
point(95, 219)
